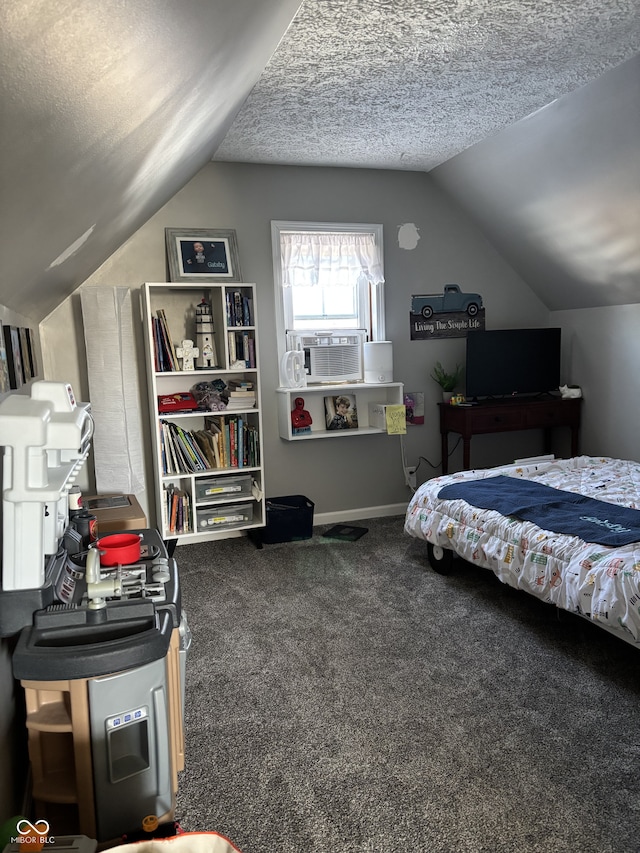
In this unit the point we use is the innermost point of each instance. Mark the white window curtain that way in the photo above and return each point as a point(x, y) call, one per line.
point(329, 259)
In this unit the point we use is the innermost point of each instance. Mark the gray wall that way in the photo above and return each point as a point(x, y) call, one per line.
point(558, 195)
point(602, 356)
point(349, 476)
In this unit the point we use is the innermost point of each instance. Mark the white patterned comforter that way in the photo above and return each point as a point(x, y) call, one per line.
point(596, 581)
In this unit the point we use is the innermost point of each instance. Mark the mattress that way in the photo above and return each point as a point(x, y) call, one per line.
point(601, 583)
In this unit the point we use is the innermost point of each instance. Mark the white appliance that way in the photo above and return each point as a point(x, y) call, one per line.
point(46, 438)
point(332, 356)
point(378, 362)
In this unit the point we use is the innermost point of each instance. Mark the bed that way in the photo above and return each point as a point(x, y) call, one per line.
point(595, 574)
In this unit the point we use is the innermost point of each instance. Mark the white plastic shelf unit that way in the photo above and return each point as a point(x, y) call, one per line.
point(195, 505)
point(390, 393)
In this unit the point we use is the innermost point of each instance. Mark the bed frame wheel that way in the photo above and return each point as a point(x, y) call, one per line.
point(440, 559)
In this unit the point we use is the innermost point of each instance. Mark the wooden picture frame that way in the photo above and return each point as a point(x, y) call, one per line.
point(202, 254)
point(14, 359)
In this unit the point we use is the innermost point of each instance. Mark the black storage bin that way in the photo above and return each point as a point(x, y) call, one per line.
point(289, 519)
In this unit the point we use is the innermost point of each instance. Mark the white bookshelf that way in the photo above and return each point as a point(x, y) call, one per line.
point(225, 500)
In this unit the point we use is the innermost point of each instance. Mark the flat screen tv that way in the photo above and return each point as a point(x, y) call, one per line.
point(506, 362)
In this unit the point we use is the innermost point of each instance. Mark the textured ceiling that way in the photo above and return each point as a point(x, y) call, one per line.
point(408, 84)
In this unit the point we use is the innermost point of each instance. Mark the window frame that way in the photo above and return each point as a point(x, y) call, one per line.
point(373, 306)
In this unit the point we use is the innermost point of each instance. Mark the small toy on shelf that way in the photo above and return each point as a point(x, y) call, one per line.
point(187, 352)
point(301, 420)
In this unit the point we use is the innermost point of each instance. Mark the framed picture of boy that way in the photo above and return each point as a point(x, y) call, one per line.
point(341, 412)
point(202, 254)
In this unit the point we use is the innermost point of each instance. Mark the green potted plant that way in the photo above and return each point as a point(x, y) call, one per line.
point(447, 381)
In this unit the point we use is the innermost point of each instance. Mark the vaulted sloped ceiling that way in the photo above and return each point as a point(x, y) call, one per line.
point(108, 107)
point(408, 84)
point(558, 194)
point(526, 111)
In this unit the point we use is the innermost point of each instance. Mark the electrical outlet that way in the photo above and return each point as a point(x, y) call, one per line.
point(412, 478)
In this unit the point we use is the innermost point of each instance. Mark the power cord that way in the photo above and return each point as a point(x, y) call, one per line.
point(411, 472)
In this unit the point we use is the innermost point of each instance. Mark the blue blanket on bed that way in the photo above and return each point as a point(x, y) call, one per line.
point(551, 509)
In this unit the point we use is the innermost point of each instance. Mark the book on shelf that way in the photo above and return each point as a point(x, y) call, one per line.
point(181, 452)
point(241, 399)
point(181, 401)
point(173, 358)
point(238, 442)
point(233, 355)
point(240, 405)
point(241, 348)
point(239, 385)
point(164, 351)
point(176, 510)
point(239, 309)
point(240, 392)
point(205, 441)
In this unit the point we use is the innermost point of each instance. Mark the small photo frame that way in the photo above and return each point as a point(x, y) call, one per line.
point(14, 360)
point(202, 254)
point(341, 412)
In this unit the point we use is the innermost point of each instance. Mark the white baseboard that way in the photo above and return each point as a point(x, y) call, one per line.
point(357, 514)
point(338, 517)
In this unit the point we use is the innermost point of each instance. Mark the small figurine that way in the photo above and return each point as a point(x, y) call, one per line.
point(187, 352)
point(301, 420)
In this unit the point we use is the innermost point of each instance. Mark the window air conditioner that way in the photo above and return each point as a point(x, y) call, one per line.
point(330, 356)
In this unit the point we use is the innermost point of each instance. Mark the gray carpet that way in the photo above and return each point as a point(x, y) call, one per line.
point(343, 697)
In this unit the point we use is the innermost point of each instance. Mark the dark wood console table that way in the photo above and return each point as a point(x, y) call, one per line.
point(508, 416)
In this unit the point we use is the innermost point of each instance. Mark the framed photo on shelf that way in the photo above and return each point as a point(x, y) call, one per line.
point(202, 254)
point(14, 360)
point(341, 412)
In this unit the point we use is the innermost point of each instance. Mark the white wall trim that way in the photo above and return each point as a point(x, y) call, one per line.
point(323, 518)
point(358, 514)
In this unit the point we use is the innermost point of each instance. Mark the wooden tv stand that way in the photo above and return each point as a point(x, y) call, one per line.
point(507, 416)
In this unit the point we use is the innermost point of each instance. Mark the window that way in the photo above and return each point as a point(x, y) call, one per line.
point(328, 277)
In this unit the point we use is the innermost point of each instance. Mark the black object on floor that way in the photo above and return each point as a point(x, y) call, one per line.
point(345, 532)
point(289, 519)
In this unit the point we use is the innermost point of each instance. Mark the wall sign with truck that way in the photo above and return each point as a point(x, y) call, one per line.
point(450, 314)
